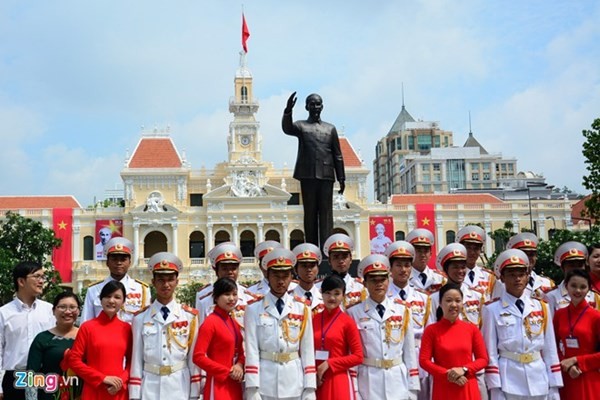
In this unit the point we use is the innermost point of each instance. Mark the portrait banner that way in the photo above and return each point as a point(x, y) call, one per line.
point(381, 233)
point(106, 229)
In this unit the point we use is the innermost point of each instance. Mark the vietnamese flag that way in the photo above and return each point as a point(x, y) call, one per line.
point(426, 220)
point(62, 221)
point(245, 33)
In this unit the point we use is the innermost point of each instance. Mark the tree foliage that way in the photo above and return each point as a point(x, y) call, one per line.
point(186, 294)
point(591, 152)
point(23, 239)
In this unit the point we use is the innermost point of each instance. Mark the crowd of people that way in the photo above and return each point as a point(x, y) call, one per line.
point(399, 330)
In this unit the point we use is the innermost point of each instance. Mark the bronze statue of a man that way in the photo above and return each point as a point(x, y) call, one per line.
point(318, 164)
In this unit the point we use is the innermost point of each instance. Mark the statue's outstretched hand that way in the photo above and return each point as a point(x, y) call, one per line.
point(342, 187)
point(290, 103)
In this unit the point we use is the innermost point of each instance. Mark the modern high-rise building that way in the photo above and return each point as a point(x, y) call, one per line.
point(419, 157)
point(406, 137)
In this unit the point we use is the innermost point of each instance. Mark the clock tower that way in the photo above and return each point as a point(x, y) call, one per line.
point(244, 141)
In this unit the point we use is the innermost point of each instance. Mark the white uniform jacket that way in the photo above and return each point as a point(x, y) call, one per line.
point(389, 342)
point(434, 280)
point(206, 305)
point(473, 302)
point(159, 346)
point(316, 304)
point(559, 298)
point(420, 309)
point(271, 336)
point(138, 297)
point(483, 281)
point(521, 347)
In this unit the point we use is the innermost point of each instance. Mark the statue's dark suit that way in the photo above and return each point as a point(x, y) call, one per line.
point(318, 164)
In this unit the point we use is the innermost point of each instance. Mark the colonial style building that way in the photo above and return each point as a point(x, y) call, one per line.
point(168, 206)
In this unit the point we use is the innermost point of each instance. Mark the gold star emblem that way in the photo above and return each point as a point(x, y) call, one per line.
point(62, 225)
point(425, 221)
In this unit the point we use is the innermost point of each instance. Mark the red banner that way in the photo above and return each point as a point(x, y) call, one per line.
point(62, 221)
point(106, 229)
point(381, 233)
point(426, 220)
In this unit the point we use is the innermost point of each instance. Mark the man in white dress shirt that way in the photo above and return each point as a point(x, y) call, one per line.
point(20, 321)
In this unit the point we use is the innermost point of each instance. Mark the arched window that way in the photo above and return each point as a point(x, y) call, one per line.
point(88, 248)
point(244, 93)
point(450, 237)
point(154, 242)
point(197, 245)
point(247, 243)
point(296, 238)
point(221, 237)
point(273, 235)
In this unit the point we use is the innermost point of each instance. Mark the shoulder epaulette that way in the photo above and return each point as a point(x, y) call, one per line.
point(301, 300)
point(484, 269)
point(205, 296)
point(249, 293)
point(257, 298)
point(318, 281)
point(398, 300)
point(421, 291)
point(242, 286)
point(142, 283)
point(359, 280)
point(541, 299)
point(552, 290)
point(435, 271)
point(492, 301)
point(478, 290)
point(141, 310)
point(353, 304)
point(95, 283)
point(546, 289)
point(189, 309)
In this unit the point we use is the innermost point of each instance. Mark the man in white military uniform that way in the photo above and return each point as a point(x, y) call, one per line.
point(482, 279)
point(225, 260)
point(527, 242)
point(308, 258)
point(260, 251)
point(338, 247)
point(569, 256)
point(118, 260)
point(422, 277)
point(519, 338)
point(401, 255)
point(164, 337)
point(389, 369)
point(452, 259)
point(280, 356)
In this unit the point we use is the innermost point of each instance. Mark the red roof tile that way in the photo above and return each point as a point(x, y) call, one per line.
point(476, 198)
point(350, 157)
point(155, 152)
point(28, 202)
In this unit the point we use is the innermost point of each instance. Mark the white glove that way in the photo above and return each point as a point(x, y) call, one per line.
point(412, 394)
point(553, 394)
point(253, 394)
point(497, 394)
point(309, 394)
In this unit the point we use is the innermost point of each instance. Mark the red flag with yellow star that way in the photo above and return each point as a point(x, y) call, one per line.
point(426, 220)
point(62, 221)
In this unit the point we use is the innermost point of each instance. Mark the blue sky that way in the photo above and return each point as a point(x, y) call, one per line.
point(79, 79)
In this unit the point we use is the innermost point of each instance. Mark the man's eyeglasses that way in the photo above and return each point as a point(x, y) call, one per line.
point(38, 277)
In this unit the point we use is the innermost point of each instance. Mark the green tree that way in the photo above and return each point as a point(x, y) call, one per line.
point(500, 237)
point(186, 294)
point(23, 239)
point(591, 152)
point(546, 249)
